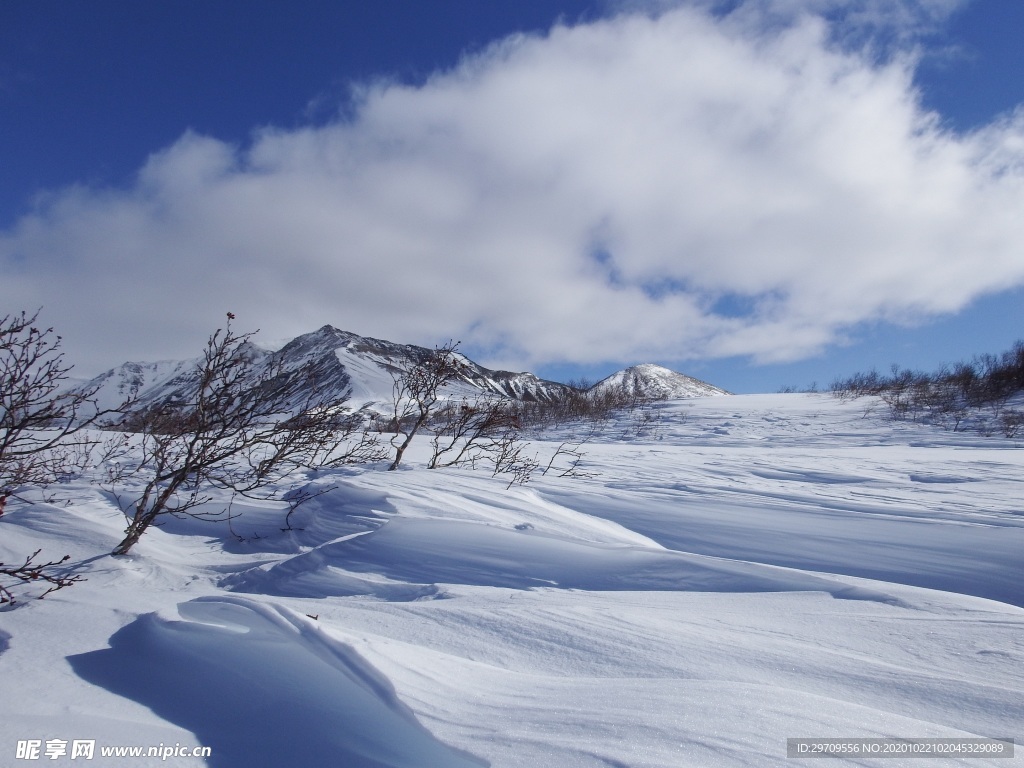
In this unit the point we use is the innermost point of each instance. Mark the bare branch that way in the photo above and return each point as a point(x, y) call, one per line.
point(32, 572)
point(42, 441)
point(417, 393)
point(41, 420)
point(241, 430)
point(468, 431)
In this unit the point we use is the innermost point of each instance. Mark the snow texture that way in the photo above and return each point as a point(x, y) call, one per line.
point(736, 571)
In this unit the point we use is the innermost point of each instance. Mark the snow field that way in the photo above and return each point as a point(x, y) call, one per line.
point(749, 569)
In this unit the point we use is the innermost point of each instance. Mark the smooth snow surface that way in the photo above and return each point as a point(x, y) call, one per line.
point(736, 571)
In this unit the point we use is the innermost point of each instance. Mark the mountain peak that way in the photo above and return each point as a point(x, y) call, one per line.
point(658, 382)
point(363, 368)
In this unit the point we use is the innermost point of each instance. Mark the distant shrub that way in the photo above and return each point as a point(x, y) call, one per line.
point(974, 394)
point(582, 402)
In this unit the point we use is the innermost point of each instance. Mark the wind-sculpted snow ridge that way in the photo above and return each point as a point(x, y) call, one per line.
point(430, 552)
point(308, 698)
point(751, 569)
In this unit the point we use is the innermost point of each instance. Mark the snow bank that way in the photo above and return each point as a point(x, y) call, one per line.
point(262, 686)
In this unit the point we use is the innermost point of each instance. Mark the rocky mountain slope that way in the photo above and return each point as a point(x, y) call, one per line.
point(658, 383)
point(341, 362)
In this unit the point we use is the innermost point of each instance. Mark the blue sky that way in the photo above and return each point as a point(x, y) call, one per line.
point(754, 195)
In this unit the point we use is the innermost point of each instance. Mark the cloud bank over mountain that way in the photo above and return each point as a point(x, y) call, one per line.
point(664, 184)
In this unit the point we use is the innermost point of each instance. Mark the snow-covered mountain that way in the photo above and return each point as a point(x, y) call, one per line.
point(343, 362)
point(339, 361)
point(657, 383)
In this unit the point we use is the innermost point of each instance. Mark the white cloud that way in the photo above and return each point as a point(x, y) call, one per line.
point(593, 194)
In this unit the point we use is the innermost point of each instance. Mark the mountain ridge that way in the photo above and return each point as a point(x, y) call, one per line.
point(344, 362)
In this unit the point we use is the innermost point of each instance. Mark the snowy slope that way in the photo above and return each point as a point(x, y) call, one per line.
point(738, 571)
point(131, 380)
point(658, 383)
point(340, 362)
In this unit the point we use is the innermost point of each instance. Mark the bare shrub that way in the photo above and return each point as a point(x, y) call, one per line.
point(975, 393)
point(858, 385)
point(239, 431)
point(417, 394)
point(511, 458)
point(1011, 421)
point(471, 430)
point(581, 402)
point(41, 430)
point(41, 419)
point(566, 460)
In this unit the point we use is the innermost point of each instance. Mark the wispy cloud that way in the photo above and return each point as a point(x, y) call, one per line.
point(667, 185)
